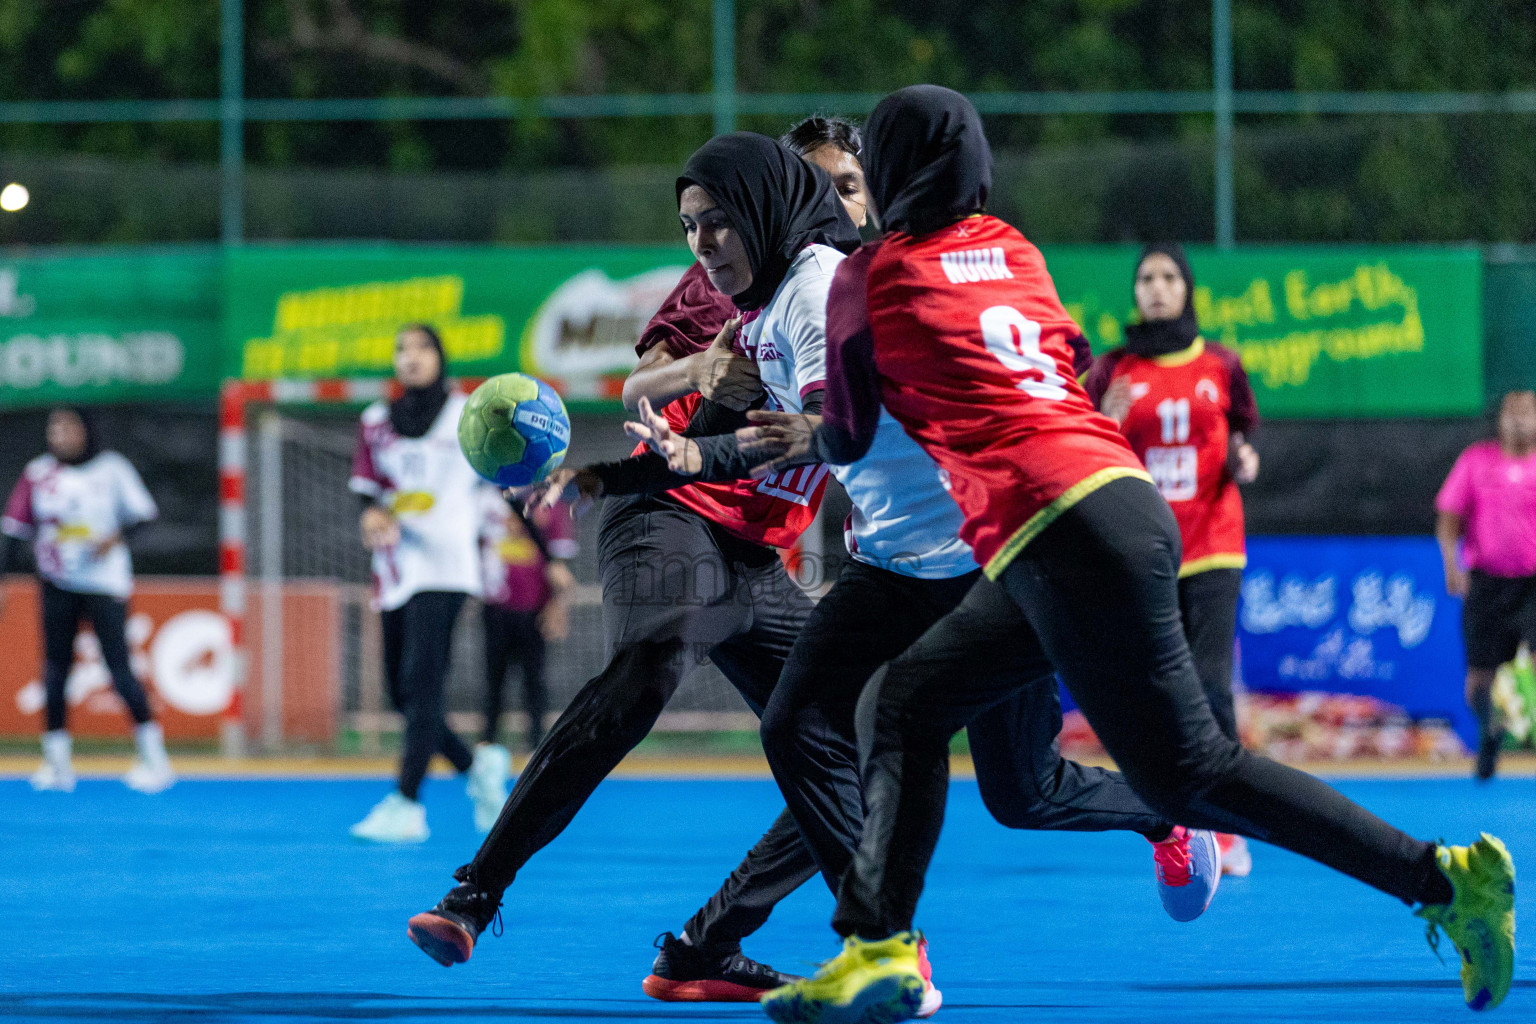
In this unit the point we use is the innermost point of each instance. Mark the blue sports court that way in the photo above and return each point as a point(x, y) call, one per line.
point(229, 902)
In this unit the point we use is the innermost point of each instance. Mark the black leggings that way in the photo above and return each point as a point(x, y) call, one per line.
point(418, 643)
point(1208, 605)
point(1099, 594)
point(63, 611)
point(676, 590)
point(514, 636)
point(870, 616)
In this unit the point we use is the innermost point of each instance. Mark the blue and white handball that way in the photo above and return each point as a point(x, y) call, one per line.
point(514, 430)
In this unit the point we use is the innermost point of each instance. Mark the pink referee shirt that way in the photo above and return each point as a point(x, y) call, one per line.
point(1496, 496)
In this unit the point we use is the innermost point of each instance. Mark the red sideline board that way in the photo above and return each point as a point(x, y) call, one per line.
point(181, 651)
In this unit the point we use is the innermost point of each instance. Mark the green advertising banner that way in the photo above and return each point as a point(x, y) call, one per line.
point(1323, 332)
point(135, 325)
point(569, 315)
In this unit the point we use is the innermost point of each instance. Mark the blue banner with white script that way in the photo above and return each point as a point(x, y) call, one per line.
point(1363, 615)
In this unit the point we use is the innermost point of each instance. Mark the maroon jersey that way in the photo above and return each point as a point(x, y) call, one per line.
point(1184, 408)
point(960, 334)
point(774, 512)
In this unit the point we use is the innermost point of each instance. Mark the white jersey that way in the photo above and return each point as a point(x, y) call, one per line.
point(903, 520)
point(433, 493)
point(67, 511)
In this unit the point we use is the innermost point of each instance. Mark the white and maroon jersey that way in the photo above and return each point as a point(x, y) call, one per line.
point(434, 495)
point(67, 511)
point(774, 511)
point(787, 339)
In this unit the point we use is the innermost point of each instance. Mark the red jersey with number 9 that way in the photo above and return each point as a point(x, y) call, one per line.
point(974, 356)
point(1184, 408)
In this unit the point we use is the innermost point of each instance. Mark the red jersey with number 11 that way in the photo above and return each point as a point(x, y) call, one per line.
point(1184, 409)
point(973, 354)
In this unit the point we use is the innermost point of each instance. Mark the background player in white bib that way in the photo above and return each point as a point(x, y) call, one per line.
point(76, 504)
point(421, 519)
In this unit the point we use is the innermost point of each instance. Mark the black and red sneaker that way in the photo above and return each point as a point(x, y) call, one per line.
point(688, 974)
point(448, 931)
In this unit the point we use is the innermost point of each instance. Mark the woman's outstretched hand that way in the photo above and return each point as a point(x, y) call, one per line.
point(653, 430)
point(787, 436)
point(580, 488)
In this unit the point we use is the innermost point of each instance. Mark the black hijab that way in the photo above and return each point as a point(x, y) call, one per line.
point(92, 442)
point(414, 412)
point(926, 159)
point(1163, 337)
point(776, 201)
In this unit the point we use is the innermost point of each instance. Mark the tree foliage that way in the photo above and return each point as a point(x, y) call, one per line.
point(1073, 177)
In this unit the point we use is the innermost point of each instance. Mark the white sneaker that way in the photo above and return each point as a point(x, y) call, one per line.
point(393, 820)
point(150, 777)
point(1235, 858)
point(52, 777)
point(487, 784)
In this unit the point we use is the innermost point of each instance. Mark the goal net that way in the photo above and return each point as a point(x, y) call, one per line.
point(297, 588)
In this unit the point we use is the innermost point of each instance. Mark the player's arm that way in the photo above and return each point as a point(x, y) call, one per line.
point(1453, 507)
point(1242, 420)
point(673, 461)
point(377, 525)
point(1449, 528)
point(719, 373)
point(17, 525)
point(718, 457)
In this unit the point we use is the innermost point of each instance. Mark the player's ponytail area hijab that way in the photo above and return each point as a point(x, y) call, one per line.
point(926, 160)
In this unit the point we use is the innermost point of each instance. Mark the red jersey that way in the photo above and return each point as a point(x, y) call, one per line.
point(775, 511)
point(1184, 408)
point(960, 334)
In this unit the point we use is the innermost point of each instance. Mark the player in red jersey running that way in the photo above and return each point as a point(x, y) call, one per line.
point(952, 322)
point(1185, 405)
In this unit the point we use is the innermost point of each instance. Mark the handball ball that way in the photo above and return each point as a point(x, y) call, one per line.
point(514, 430)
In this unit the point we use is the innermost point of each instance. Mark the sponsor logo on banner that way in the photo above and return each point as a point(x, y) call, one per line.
point(350, 329)
point(29, 361)
point(588, 327)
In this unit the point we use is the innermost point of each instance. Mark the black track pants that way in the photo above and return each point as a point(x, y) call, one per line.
point(870, 616)
point(418, 643)
point(1208, 605)
point(512, 636)
point(1099, 594)
point(63, 611)
point(675, 590)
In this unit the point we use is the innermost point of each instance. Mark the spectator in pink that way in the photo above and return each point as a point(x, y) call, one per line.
point(1487, 508)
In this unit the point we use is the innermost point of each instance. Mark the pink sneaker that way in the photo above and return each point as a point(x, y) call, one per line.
point(1188, 868)
point(932, 997)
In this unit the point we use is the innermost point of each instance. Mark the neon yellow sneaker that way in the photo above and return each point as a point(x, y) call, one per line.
point(1480, 919)
point(867, 983)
